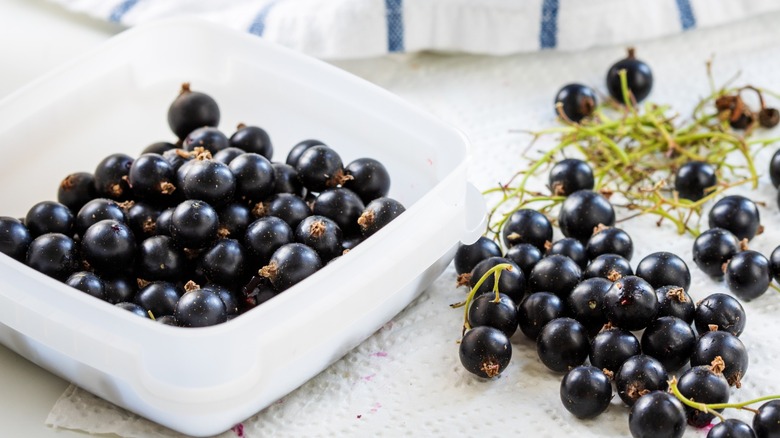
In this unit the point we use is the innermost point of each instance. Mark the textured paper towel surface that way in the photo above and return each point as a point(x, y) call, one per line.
point(406, 379)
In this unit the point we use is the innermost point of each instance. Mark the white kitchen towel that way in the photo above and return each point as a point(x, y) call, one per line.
point(340, 29)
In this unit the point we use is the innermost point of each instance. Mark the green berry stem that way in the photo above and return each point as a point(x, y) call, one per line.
point(470, 297)
point(711, 407)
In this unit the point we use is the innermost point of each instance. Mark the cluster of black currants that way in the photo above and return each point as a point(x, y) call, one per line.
point(595, 318)
point(195, 233)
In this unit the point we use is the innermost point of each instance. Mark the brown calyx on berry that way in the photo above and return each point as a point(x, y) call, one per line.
point(490, 367)
point(366, 219)
point(339, 179)
point(269, 271)
point(317, 229)
point(614, 275)
point(610, 375)
point(191, 286)
point(166, 188)
point(259, 210)
point(463, 279)
point(717, 365)
point(677, 293)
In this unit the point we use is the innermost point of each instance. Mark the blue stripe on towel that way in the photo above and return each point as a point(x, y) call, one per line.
point(395, 25)
point(258, 24)
point(120, 10)
point(548, 32)
point(687, 19)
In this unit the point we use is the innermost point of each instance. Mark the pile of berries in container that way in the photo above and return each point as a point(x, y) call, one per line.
point(195, 233)
point(607, 327)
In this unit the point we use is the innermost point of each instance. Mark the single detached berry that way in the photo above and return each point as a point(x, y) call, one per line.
point(76, 189)
point(585, 391)
point(109, 246)
point(609, 266)
point(89, 283)
point(49, 217)
point(15, 238)
point(485, 351)
point(575, 101)
point(527, 226)
point(111, 177)
point(737, 214)
point(610, 240)
point(556, 273)
point(583, 212)
point(378, 213)
point(200, 308)
point(191, 110)
point(571, 248)
point(341, 205)
point(731, 428)
point(252, 139)
point(368, 178)
point(664, 269)
point(510, 281)
point(320, 168)
point(194, 224)
point(774, 169)
point(729, 348)
point(639, 78)
point(524, 255)
point(748, 275)
point(291, 264)
point(693, 179)
point(612, 347)
point(585, 301)
point(674, 301)
point(53, 254)
point(97, 210)
point(713, 248)
point(570, 175)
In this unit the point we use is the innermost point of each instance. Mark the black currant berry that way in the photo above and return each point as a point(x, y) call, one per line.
point(53, 254)
point(88, 283)
point(693, 179)
point(705, 385)
point(162, 225)
point(293, 209)
point(159, 297)
point(656, 415)
point(177, 157)
point(713, 248)
point(748, 275)
point(76, 189)
point(264, 236)
point(227, 155)
point(142, 219)
point(377, 214)
point(576, 101)
point(610, 240)
point(571, 248)
point(674, 301)
point(286, 179)
point(224, 263)
point(254, 176)
point(664, 269)
point(731, 428)
point(194, 224)
point(200, 308)
point(49, 217)
point(609, 266)
point(484, 310)
point(111, 177)
point(766, 423)
point(774, 169)
point(562, 344)
point(158, 147)
point(209, 181)
point(300, 148)
point(97, 210)
point(485, 351)
point(234, 218)
point(524, 255)
point(570, 175)
point(585, 391)
point(639, 78)
point(467, 256)
point(321, 234)
point(638, 376)
point(720, 312)
point(611, 347)
point(585, 301)
point(774, 264)
point(630, 303)
point(120, 288)
point(320, 168)
point(152, 177)
point(159, 258)
point(527, 226)
point(290, 264)
point(536, 310)
point(583, 212)
point(15, 238)
point(341, 205)
point(252, 139)
point(228, 298)
point(133, 308)
point(670, 340)
point(191, 110)
point(726, 346)
point(109, 246)
point(737, 214)
point(511, 281)
point(369, 179)
point(557, 274)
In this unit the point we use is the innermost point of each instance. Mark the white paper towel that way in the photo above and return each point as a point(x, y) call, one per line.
point(406, 379)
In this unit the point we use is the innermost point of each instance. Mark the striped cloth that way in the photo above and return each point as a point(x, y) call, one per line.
point(334, 29)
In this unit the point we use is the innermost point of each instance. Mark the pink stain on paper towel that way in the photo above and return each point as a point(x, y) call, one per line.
point(238, 429)
point(379, 354)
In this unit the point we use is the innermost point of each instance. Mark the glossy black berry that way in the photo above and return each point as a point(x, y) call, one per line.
point(713, 248)
point(583, 212)
point(693, 179)
point(320, 168)
point(585, 301)
point(264, 236)
point(511, 281)
point(748, 274)
point(234, 218)
point(527, 226)
point(670, 340)
point(774, 264)
point(571, 248)
point(485, 351)
point(111, 177)
point(737, 214)
point(774, 169)
point(162, 225)
point(152, 177)
point(639, 78)
point(562, 344)
point(576, 101)
point(610, 240)
point(766, 423)
point(369, 179)
point(158, 147)
point(467, 256)
point(194, 224)
point(664, 269)
point(291, 264)
point(76, 189)
point(611, 347)
point(726, 346)
point(227, 155)
point(133, 308)
point(53, 254)
point(159, 297)
point(225, 262)
point(293, 209)
point(87, 282)
point(675, 301)
point(341, 205)
point(252, 139)
point(639, 375)
point(97, 210)
point(254, 176)
point(570, 175)
point(200, 308)
point(524, 255)
point(585, 391)
point(209, 181)
point(142, 219)
point(49, 217)
point(536, 310)
point(731, 428)
point(502, 315)
point(300, 148)
point(228, 297)
point(109, 246)
point(120, 287)
point(702, 384)
point(191, 110)
point(177, 157)
point(286, 179)
point(321, 234)
point(630, 303)
point(378, 213)
point(556, 273)
point(609, 266)
point(722, 312)
point(15, 238)
point(159, 258)
point(657, 415)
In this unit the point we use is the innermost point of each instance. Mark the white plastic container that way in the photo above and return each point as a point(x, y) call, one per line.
point(203, 381)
